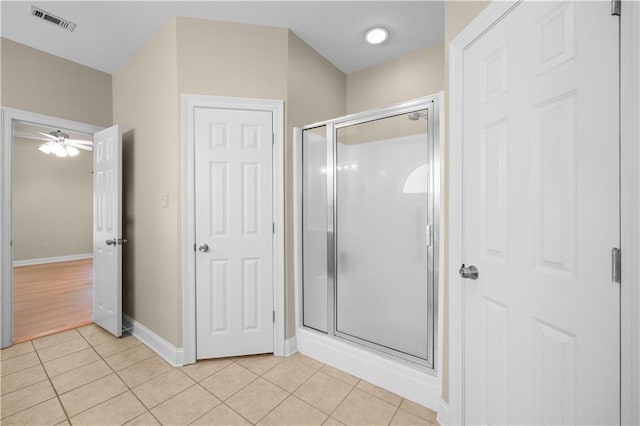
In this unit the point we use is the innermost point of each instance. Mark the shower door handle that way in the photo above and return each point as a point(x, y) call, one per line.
point(470, 272)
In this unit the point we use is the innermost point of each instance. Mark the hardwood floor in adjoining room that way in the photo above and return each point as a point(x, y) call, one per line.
point(51, 297)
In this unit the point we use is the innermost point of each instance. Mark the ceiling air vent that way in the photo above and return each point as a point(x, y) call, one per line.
point(42, 14)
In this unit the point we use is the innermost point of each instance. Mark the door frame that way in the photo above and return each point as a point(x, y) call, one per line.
point(7, 118)
point(629, 199)
point(276, 107)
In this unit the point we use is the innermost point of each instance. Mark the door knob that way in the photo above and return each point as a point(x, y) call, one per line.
point(112, 242)
point(203, 248)
point(470, 272)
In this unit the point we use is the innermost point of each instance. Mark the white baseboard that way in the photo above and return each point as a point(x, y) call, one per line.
point(55, 259)
point(171, 354)
point(395, 376)
point(290, 346)
point(443, 413)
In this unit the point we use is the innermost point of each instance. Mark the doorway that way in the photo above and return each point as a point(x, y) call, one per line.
point(52, 234)
point(10, 118)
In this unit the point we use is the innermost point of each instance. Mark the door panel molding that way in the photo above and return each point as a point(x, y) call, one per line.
point(8, 117)
point(276, 107)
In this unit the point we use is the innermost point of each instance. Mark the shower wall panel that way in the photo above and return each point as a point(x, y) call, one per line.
point(314, 232)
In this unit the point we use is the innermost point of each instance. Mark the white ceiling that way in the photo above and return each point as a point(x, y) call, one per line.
point(109, 33)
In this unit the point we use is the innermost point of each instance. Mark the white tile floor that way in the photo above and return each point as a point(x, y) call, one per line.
point(87, 377)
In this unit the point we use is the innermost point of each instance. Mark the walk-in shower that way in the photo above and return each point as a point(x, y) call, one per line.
point(368, 230)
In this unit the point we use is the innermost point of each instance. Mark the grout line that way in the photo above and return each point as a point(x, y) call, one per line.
point(229, 407)
point(51, 332)
point(208, 411)
point(395, 413)
point(231, 361)
point(125, 383)
point(277, 405)
point(358, 380)
point(15, 356)
point(291, 394)
point(340, 403)
point(223, 401)
point(64, 410)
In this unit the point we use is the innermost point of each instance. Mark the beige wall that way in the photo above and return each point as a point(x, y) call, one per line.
point(36, 81)
point(224, 59)
point(411, 76)
point(146, 105)
point(197, 57)
point(52, 203)
point(457, 14)
point(227, 59)
point(316, 91)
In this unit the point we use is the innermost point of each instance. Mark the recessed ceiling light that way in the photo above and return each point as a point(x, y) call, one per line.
point(376, 35)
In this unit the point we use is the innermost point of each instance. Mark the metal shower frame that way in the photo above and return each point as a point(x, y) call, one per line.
point(432, 105)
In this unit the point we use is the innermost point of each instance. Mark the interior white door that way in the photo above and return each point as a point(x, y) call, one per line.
point(234, 232)
point(107, 229)
point(540, 217)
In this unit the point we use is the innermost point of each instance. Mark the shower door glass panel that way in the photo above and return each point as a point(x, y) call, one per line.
point(382, 202)
point(314, 228)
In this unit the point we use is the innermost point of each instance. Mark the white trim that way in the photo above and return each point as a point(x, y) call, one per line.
point(630, 211)
point(398, 376)
point(7, 117)
point(55, 259)
point(630, 208)
point(276, 107)
point(290, 346)
point(171, 354)
point(443, 412)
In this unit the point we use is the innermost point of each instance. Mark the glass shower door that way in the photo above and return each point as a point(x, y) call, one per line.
point(383, 241)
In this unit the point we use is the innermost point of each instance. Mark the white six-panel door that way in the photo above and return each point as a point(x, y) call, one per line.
point(234, 234)
point(107, 229)
point(540, 217)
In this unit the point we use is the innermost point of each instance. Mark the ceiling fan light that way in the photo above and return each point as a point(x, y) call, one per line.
point(59, 150)
point(72, 151)
point(45, 147)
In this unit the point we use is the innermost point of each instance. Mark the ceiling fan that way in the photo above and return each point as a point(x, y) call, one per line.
point(59, 143)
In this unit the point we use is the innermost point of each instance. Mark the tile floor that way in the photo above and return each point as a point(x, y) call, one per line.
point(86, 376)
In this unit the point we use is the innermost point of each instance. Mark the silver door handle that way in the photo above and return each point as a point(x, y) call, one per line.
point(112, 242)
point(203, 248)
point(470, 272)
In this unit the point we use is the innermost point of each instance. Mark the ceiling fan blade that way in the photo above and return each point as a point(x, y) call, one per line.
point(80, 141)
point(29, 136)
point(51, 137)
point(80, 146)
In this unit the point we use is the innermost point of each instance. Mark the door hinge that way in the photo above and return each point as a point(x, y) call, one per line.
point(429, 234)
point(616, 265)
point(273, 228)
point(274, 316)
point(616, 5)
point(273, 138)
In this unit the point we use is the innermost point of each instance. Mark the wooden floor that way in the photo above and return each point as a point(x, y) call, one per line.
point(51, 297)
